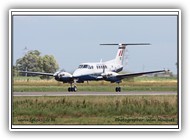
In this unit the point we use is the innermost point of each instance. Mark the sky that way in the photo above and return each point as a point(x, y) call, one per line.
point(75, 39)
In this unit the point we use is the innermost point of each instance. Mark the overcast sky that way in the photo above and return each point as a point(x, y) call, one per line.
point(75, 39)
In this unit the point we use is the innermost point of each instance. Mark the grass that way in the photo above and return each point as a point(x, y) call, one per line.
point(159, 109)
point(95, 110)
point(139, 84)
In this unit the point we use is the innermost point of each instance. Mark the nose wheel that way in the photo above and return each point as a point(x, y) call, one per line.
point(72, 88)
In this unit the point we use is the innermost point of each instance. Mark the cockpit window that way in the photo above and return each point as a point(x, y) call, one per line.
point(80, 66)
point(85, 67)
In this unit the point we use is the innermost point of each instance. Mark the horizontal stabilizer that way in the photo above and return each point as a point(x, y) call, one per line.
point(126, 44)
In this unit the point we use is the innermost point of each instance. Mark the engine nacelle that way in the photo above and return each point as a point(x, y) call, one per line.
point(64, 77)
point(64, 74)
point(111, 76)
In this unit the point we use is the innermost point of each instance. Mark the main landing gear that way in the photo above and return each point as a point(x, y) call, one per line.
point(72, 88)
point(118, 89)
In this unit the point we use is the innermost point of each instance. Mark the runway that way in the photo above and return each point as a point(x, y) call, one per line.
point(93, 93)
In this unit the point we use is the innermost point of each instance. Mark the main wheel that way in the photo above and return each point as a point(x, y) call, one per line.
point(118, 89)
point(69, 89)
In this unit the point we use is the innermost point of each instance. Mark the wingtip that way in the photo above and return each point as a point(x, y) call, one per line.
point(166, 70)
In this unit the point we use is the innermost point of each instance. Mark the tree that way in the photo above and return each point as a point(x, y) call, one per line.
point(32, 61)
point(14, 71)
point(49, 64)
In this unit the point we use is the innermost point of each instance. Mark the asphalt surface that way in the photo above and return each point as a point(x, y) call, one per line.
point(92, 93)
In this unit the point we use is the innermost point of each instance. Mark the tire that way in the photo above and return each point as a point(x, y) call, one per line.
point(116, 89)
point(69, 89)
point(119, 89)
point(74, 88)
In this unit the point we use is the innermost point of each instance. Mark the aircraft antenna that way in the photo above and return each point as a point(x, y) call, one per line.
point(25, 50)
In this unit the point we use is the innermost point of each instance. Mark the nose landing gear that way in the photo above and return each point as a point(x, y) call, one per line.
point(72, 88)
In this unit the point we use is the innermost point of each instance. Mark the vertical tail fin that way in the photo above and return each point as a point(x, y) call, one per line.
point(119, 59)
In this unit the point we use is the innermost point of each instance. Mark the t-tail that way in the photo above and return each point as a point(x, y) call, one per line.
point(119, 59)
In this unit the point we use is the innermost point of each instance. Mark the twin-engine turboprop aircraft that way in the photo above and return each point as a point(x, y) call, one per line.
point(96, 71)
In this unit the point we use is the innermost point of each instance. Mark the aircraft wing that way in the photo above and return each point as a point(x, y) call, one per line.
point(37, 73)
point(122, 76)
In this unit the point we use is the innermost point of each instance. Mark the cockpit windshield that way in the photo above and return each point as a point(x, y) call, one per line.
point(80, 66)
point(85, 66)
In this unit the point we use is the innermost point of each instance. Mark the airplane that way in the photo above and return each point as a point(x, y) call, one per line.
point(96, 71)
